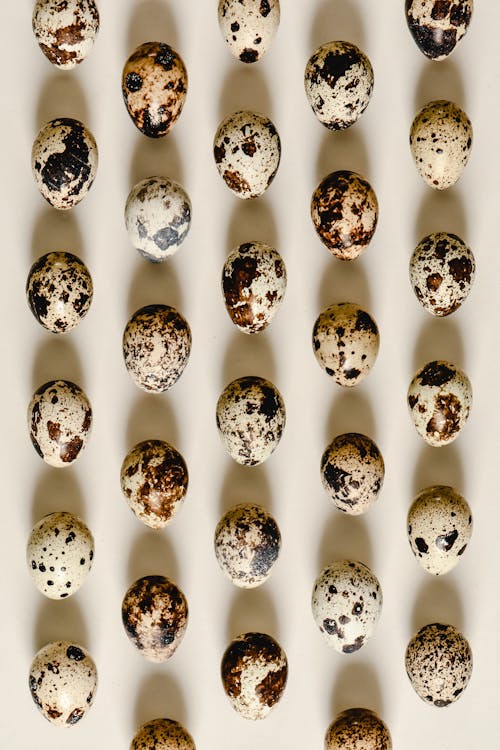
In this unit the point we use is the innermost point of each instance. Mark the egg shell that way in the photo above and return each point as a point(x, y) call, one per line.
point(436, 26)
point(439, 528)
point(250, 418)
point(346, 605)
point(439, 664)
point(64, 162)
point(253, 285)
point(63, 682)
point(254, 673)
point(352, 472)
point(441, 142)
point(162, 734)
point(344, 211)
point(154, 482)
point(59, 554)
point(154, 87)
point(247, 152)
point(157, 217)
point(339, 83)
point(60, 422)
point(345, 343)
point(249, 27)
point(155, 617)
point(440, 399)
point(156, 347)
point(65, 31)
point(358, 729)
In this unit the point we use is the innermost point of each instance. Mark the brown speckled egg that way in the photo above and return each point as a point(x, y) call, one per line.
point(155, 617)
point(439, 664)
point(358, 729)
point(344, 211)
point(436, 26)
point(65, 31)
point(254, 672)
point(249, 27)
point(154, 86)
point(352, 472)
point(154, 481)
point(162, 734)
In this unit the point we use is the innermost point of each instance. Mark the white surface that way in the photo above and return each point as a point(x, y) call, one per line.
point(321, 682)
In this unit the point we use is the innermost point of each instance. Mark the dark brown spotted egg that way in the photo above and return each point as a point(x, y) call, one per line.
point(162, 734)
point(254, 673)
point(344, 211)
point(154, 87)
point(155, 617)
point(60, 422)
point(439, 664)
point(249, 26)
point(64, 162)
point(440, 399)
point(63, 682)
point(437, 26)
point(358, 729)
point(253, 285)
point(65, 31)
point(352, 472)
point(154, 482)
point(156, 347)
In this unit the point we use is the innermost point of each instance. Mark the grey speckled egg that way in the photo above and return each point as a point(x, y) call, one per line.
point(251, 418)
point(442, 270)
point(154, 87)
point(439, 664)
point(249, 26)
point(358, 729)
point(439, 528)
point(345, 343)
point(437, 26)
point(156, 347)
point(352, 472)
point(339, 83)
point(440, 142)
point(346, 605)
point(157, 217)
point(254, 672)
point(60, 421)
point(59, 291)
point(162, 734)
point(344, 211)
point(155, 617)
point(247, 544)
point(253, 285)
point(247, 151)
point(154, 482)
point(59, 554)
point(440, 399)
point(63, 682)
point(65, 31)
point(64, 162)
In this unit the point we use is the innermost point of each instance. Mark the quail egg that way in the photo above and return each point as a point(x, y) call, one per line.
point(162, 734)
point(249, 27)
point(65, 31)
point(358, 729)
point(352, 472)
point(437, 26)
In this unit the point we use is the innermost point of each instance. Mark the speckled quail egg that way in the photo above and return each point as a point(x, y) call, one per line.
point(65, 31)
point(346, 605)
point(440, 399)
point(339, 82)
point(60, 421)
point(162, 734)
point(156, 347)
point(154, 482)
point(440, 142)
point(344, 211)
point(247, 151)
point(154, 87)
point(64, 162)
point(253, 285)
point(247, 544)
point(254, 672)
point(250, 418)
point(155, 617)
point(63, 682)
point(358, 729)
point(437, 26)
point(439, 664)
point(352, 472)
point(345, 343)
point(249, 27)
point(439, 528)
point(59, 554)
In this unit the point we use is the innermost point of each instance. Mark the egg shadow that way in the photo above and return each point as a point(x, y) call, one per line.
point(357, 686)
point(437, 601)
point(152, 418)
point(248, 354)
point(59, 621)
point(56, 491)
point(244, 89)
point(252, 611)
point(344, 281)
point(61, 95)
point(154, 283)
point(245, 484)
point(337, 20)
point(344, 538)
point(342, 150)
point(159, 696)
point(156, 158)
point(251, 221)
point(152, 554)
point(151, 21)
point(56, 359)
point(441, 211)
point(439, 81)
point(351, 412)
point(441, 466)
point(56, 230)
point(439, 339)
